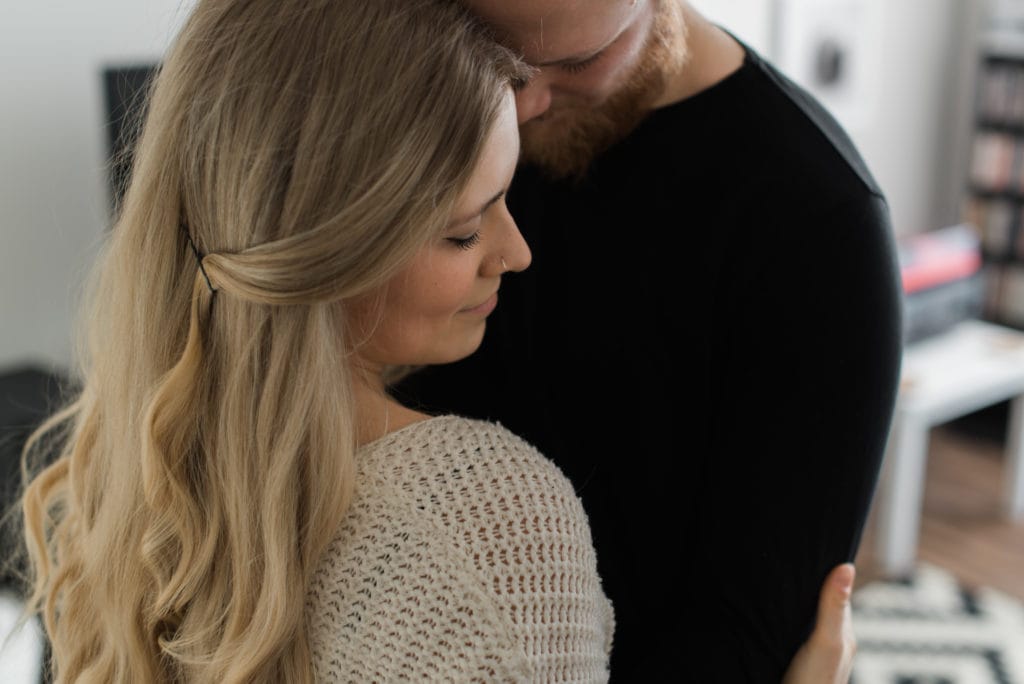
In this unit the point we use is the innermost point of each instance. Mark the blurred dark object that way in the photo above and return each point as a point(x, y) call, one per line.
point(987, 425)
point(942, 280)
point(830, 63)
point(28, 395)
point(125, 89)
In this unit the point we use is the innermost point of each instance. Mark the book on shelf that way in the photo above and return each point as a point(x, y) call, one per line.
point(942, 278)
point(1005, 300)
point(996, 222)
point(996, 162)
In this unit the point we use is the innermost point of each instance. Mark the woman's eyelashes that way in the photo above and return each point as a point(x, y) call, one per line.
point(466, 242)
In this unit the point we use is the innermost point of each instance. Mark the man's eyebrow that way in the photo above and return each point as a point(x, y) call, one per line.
point(487, 205)
point(579, 57)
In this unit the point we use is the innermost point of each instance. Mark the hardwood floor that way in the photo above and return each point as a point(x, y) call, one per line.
point(962, 528)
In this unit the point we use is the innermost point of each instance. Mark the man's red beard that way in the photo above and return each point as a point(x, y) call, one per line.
point(566, 139)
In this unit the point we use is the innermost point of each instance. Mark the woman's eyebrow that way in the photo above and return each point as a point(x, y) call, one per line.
point(485, 207)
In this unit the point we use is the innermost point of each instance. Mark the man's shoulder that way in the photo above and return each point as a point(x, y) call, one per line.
point(808, 109)
point(759, 125)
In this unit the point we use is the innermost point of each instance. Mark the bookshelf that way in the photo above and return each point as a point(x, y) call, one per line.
point(995, 185)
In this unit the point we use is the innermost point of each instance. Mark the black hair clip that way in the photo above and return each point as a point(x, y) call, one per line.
point(199, 256)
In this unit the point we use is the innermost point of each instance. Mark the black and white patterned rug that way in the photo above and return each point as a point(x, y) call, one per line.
point(931, 630)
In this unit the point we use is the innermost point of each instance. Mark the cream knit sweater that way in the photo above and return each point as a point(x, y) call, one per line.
point(466, 556)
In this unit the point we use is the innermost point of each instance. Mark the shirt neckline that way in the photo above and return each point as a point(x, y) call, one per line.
point(391, 436)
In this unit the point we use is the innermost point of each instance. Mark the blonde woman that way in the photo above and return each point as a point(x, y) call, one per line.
point(317, 201)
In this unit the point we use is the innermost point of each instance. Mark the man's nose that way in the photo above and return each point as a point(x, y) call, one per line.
point(533, 99)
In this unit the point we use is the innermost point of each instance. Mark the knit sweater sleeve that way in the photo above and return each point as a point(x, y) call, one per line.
point(466, 556)
point(392, 601)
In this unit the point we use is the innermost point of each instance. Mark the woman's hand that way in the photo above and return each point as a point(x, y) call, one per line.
point(827, 656)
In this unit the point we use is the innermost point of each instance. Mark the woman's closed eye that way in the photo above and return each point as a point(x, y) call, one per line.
point(466, 242)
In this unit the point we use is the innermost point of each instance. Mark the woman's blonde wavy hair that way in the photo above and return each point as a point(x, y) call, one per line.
point(309, 147)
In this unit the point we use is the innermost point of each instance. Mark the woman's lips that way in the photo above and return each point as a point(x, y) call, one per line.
point(484, 308)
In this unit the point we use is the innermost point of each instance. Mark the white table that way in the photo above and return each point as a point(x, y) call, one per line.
point(972, 366)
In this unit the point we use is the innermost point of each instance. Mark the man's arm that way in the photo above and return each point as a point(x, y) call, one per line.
point(806, 379)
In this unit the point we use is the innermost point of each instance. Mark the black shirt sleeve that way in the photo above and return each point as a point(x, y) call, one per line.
point(808, 366)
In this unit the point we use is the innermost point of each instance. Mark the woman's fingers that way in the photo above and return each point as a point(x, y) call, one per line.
point(834, 619)
point(827, 657)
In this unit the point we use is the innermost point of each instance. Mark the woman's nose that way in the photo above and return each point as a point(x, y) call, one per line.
point(533, 99)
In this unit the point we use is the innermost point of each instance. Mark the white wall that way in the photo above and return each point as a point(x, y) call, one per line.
point(53, 186)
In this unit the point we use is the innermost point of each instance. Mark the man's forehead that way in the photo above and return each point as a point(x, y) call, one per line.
point(546, 30)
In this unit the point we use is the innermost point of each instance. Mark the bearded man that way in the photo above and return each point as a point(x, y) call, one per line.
point(708, 340)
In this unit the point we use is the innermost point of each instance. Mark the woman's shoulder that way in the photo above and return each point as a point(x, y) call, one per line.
point(458, 524)
point(444, 442)
point(462, 510)
point(452, 451)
